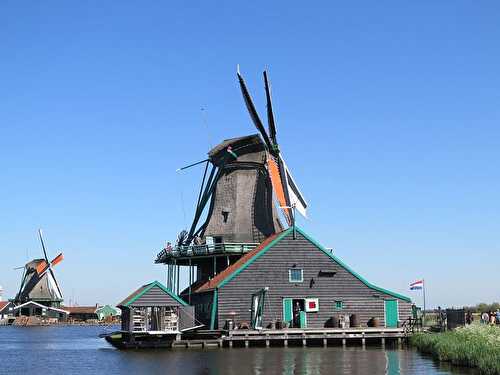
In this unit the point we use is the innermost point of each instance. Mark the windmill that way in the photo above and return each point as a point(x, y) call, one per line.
point(246, 174)
point(38, 282)
point(243, 179)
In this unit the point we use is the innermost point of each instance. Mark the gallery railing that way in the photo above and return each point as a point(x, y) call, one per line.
point(194, 250)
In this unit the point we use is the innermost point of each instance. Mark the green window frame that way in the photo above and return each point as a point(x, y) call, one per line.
point(296, 275)
point(339, 305)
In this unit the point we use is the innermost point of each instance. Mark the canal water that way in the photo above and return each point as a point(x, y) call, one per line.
point(79, 350)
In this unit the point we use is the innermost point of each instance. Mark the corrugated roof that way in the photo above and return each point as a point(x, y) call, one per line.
point(220, 277)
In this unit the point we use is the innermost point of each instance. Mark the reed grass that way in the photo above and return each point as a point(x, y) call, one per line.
point(473, 346)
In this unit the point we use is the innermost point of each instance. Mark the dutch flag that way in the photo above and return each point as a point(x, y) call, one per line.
point(417, 285)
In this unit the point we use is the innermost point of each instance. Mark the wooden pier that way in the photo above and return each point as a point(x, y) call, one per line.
point(297, 337)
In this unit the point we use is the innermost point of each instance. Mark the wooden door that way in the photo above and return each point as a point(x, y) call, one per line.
point(391, 313)
point(287, 310)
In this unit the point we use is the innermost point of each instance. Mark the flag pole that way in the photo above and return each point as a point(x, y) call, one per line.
point(423, 290)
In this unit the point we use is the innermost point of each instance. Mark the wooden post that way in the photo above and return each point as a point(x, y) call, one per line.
point(168, 276)
point(382, 341)
point(190, 279)
point(178, 274)
point(215, 265)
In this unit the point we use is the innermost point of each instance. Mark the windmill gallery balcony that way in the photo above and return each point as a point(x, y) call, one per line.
point(179, 253)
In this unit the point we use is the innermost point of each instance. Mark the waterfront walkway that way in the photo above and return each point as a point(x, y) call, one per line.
point(297, 337)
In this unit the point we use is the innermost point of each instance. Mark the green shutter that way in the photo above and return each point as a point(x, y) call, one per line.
point(303, 319)
point(287, 310)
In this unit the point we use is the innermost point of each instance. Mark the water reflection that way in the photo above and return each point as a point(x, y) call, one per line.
point(76, 350)
point(392, 365)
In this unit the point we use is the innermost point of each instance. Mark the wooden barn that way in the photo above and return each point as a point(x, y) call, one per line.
point(298, 283)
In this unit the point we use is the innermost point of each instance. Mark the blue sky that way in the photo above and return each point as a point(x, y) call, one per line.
point(387, 115)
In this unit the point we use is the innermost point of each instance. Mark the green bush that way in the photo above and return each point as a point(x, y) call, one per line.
point(473, 346)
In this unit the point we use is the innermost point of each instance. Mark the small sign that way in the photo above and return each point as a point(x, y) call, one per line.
point(312, 304)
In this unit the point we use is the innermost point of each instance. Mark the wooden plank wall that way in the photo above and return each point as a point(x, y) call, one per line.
point(271, 270)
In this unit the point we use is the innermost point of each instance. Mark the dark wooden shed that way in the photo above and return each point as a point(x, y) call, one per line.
point(153, 308)
point(291, 279)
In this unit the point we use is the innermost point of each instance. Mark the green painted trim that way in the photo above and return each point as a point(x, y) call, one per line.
point(149, 287)
point(320, 247)
point(255, 257)
point(348, 269)
point(214, 309)
point(287, 310)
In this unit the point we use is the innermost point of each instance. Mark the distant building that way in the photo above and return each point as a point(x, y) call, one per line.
point(106, 311)
point(5, 309)
point(85, 313)
point(32, 308)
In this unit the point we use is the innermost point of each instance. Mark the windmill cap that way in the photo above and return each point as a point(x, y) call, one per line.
point(240, 146)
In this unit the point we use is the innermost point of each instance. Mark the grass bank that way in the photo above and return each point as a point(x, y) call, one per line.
point(474, 346)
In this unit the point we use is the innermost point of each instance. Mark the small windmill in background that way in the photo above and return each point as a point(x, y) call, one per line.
point(39, 282)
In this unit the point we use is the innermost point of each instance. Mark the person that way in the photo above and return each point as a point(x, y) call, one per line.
point(492, 318)
point(296, 315)
point(498, 316)
point(485, 318)
point(468, 317)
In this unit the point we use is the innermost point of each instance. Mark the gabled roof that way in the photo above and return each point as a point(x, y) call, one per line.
point(81, 309)
point(42, 306)
point(144, 289)
point(239, 264)
point(232, 271)
point(4, 304)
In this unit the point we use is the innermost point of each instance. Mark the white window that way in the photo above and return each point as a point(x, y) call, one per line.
point(295, 275)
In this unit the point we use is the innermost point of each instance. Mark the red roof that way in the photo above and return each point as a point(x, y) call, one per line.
point(80, 309)
point(3, 304)
point(220, 277)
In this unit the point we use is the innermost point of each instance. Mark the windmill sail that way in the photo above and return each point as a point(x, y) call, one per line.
point(37, 286)
point(285, 189)
point(253, 112)
point(270, 113)
point(296, 197)
point(279, 188)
